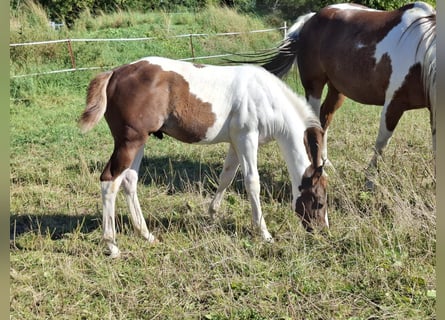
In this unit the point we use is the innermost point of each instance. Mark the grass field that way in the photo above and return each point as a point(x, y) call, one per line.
point(378, 262)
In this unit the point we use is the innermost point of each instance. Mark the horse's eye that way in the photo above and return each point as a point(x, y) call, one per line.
point(317, 205)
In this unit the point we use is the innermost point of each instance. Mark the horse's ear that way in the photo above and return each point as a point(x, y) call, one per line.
point(317, 174)
point(307, 146)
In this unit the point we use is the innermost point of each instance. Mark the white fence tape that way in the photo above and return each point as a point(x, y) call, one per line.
point(144, 38)
point(133, 39)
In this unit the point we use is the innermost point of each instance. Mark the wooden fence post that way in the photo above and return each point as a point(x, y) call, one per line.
point(191, 47)
point(70, 50)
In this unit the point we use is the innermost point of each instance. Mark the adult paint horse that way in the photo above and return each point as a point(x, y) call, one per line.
point(374, 57)
point(242, 105)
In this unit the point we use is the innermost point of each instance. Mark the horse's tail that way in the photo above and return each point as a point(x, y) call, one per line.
point(429, 60)
point(281, 62)
point(429, 73)
point(96, 104)
point(429, 83)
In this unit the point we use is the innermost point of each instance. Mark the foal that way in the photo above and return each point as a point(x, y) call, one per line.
point(243, 105)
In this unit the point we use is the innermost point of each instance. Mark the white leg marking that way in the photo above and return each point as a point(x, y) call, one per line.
point(137, 218)
point(227, 174)
point(326, 219)
point(130, 188)
point(316, 105)
point(109, 192)
point(382, 140)
point(247, 150)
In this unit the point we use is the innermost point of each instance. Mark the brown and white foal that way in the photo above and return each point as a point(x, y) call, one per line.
point(244, 106)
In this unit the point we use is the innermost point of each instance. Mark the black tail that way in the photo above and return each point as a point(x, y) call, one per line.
point(279, 60)
point(280, 63)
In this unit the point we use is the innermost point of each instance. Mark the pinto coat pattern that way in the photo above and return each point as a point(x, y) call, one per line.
point(374, 57)
point(244, 106)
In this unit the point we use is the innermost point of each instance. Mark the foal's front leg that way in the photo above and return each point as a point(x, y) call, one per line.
point(226, 176)
point(247, 149)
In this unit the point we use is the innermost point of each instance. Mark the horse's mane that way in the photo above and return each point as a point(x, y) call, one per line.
point(429, 58)
point(301, 106)
point(427, 48)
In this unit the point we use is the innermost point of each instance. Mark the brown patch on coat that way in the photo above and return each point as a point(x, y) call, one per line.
point(152, 100)
point(142, 99)
point(345, 46)
point(409, 96)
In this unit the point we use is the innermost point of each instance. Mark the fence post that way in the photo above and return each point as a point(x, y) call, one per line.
point(285, 29)
point(191, 47)
point(70, 50)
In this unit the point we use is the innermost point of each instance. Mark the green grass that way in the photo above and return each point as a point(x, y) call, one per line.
point(378, 262)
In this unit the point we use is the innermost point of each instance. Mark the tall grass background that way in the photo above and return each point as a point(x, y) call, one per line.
point(378, 262)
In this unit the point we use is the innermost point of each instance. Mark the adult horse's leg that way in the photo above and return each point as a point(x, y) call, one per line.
point(246, 147)
point(433, 129)
point(130, 187)
point(114, 173)
point(334, 99)
point(389, 118)
point(227, 174)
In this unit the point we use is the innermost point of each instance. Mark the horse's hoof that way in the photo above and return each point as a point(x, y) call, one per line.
point(115, 253)
point(369, 185)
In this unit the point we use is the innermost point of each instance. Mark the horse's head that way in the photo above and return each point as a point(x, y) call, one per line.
point(311, 205)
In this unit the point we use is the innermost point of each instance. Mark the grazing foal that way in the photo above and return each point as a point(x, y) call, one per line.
point(242, 105)
point(374, 57)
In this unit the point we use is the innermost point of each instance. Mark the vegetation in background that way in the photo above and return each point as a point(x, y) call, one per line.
point(291, 9)
point(378, 260)
point(69, 10)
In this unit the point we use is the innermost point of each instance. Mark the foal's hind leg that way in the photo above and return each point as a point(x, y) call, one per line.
point(227, 174)
point(109, 192)
point(112, 176)
point(130, 188)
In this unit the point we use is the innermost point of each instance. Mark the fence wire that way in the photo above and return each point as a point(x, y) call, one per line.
point(190, 35)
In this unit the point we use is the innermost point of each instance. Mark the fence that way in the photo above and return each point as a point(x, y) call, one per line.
point(190, 36)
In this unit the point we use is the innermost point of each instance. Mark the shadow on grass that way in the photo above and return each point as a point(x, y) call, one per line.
point(185, 175)
point(175, 175)
point(57, 225)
